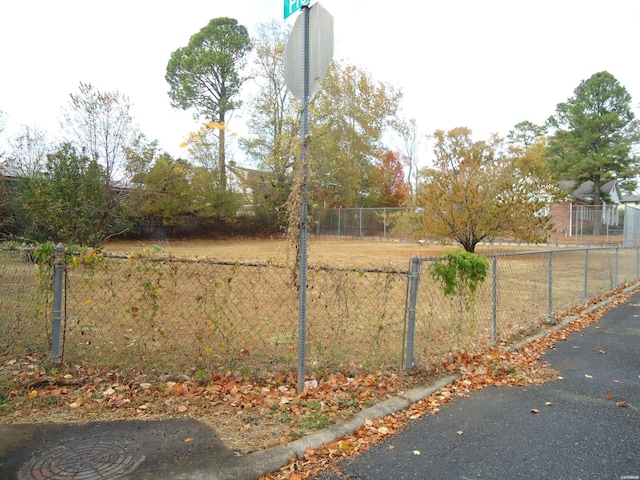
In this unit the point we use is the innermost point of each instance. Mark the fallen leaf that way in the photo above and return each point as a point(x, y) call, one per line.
point(383, 431)
point(548, 404)
point(603, 351)
point(416, 452)
point(33, 394)
point(621, 404)
point(587, 376)
point(459, 432)
point(182, 408)
point(535, 410)
point(12, 362)
point(188, 440)
point(609, 396)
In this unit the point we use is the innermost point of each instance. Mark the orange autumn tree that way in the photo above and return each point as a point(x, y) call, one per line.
point(479, 190)
point(393, 188)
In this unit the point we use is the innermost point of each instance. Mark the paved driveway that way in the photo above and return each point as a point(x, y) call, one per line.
point(580, 432)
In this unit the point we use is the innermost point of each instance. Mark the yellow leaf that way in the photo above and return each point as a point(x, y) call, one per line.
point(33, 393)
point(383, 431)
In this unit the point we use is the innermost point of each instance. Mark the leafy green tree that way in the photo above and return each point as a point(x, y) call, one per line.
point(351, 114)
point(69, 201)
point(165, 195)
point(525, 133)
point(478, 191)
point(140, 155)
point(274, 121)
point(593, 135)
point(204, 75)
point(25, 158)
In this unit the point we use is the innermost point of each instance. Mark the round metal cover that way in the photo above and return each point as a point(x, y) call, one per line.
point(91, 459)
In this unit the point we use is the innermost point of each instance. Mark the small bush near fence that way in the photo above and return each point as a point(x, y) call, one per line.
point(168, 315)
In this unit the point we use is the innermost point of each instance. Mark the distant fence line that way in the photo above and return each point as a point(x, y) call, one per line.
point(167, 315)
point(620, 224)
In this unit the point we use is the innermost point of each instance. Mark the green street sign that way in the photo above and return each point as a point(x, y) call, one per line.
point(292, 6)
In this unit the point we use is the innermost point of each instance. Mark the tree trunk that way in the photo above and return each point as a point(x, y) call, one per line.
point(597, 203)
point(221, 154)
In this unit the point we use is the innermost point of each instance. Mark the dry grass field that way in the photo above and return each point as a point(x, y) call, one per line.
point(337, 252)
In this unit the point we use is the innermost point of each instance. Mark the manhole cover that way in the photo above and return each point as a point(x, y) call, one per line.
point(91, 459)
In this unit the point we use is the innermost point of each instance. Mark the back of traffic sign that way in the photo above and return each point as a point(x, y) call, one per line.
point(320, 51)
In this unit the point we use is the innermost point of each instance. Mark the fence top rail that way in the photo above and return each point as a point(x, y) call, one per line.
point(541, 252)
point(253, 264)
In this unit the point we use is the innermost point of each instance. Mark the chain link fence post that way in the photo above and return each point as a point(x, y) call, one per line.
point(550, 286)
point(58, 271)
point(615, 274)
point(494, 313)
point(414, 277)
point(586, 274)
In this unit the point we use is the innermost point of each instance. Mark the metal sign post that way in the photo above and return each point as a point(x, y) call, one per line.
point(316, 31)
point(302, 314)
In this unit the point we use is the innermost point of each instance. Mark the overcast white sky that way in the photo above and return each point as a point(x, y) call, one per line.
point(483, 64)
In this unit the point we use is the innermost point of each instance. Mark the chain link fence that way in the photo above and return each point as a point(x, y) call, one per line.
point(171, 316)
point(574, 225)
point(524, 292)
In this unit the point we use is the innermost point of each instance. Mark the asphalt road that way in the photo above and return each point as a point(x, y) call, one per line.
point(580, 432)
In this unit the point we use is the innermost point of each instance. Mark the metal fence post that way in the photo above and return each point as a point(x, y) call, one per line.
point(384, 223)
point(494, 314)
point(615, 273)
point(414, 277)
point(58, 268)
point(586, 273)
point(550, 285)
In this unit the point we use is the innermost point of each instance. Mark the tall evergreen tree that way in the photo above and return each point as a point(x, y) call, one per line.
point(594, 132)
point(204, 75)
